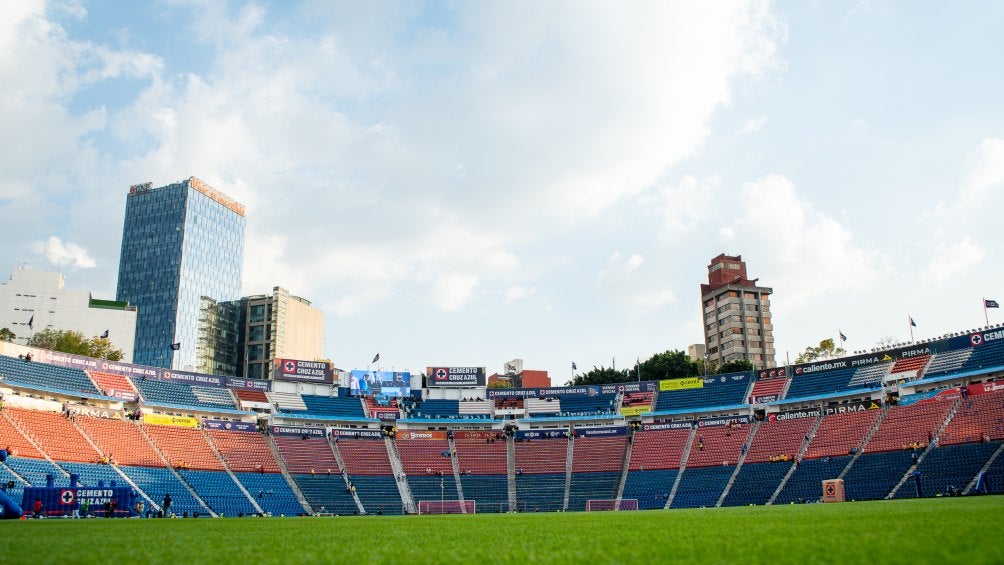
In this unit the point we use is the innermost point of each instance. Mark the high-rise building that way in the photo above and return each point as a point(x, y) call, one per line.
point(32, 301)
point(736, 312)
point(276, 326)
point(181, 244)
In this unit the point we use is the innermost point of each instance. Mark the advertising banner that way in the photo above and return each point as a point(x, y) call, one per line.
point(859, 406)
point(601, 432)
point(774, 373)
point(477, 435)
point(643, 386)
point(127, 395)
point(792, 415)
point(249, 384)
point(635, 410)
point(194, 378)
point(984, 388)
point(294, 370)
point(763, 398)
point(681, 384)
point(540, 434)
point(551, 392)
point(297, 431)
point(231, 426)
point(724, 421)
point(379, 383)
point(357, 434)
point(177, 421)
point(667, 426)
point(422, 434)
point(455, 376)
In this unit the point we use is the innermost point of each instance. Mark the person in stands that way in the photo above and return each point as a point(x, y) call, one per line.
point(167, 505)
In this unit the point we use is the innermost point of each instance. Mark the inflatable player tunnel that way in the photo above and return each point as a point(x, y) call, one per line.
point(62, 501)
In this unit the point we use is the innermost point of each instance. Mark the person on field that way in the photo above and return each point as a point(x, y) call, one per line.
point(38, 508)
point(167, 505)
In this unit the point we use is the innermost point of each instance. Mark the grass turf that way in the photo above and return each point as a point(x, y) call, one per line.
point(953, 530)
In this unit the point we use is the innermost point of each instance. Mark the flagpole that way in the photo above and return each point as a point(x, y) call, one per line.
point(985, 315)
point(909, 320)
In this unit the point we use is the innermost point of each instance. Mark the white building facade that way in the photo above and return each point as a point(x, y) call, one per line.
point(39, 298)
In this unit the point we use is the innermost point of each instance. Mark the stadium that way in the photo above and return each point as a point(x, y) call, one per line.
point(924, 420)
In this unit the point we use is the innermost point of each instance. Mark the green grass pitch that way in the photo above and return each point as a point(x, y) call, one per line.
point(945, 530)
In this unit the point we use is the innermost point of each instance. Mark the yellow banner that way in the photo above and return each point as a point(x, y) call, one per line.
point(635, 410)
point(162, 420)
point(680, 384)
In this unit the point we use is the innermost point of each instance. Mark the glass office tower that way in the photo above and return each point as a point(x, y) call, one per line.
point(181, 244)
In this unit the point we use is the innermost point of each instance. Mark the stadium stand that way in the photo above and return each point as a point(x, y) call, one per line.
point(948, 362)
point(272, 493)
point(596, 468)
point(120, 440)
point(428, 464)
point(908, 368)
point(287, 401)
point(307, 456)
point(369, 469)
point(948, 466)
point(651, 488)
point(156, 482)
point(717, 390)
point(184, 448)
point(13, 441)
point(344, 407)
point(903, 426)
point(483, 471)
point(658, 449)
point(250, 395)
point(243, 451)
point(717, 445)
point(874, 475)
point(978, 416)
point(173, 393)
point(541, 466)
point(541, 406)
point(701, 487)
point(816, 384)
point(766, 388)
point(838, 434)
point(46, 376)
point(756, 483)
point(805, 484)
point(588, 405)
point(220, 492)
point(110, 383)
point(55, 434)
point(987, 355)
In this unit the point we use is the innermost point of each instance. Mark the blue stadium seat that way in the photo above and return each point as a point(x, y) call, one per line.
point(490, 493)
point(718, 390)
point(874, 475)
point(702, 486)
point(540, 493)
point(591, 486)
point(806, 483)
point(46, 376)
point(950, 465)
point(272, 493)
point(651, 488)
point(327, 491)
point(756, 483)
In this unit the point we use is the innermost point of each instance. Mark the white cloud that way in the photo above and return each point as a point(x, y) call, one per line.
point(808, 253)
point(451, 290)
point(951, 262)
point(65, 254)
point(985, 172)
point(753, 124)
point(685, 204)
point(626, 283)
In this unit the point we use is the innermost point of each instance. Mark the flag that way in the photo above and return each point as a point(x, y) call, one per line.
point(912, 323)
point(843, 338)
point(987, 303)
point(376, 357)
point(104, 335)
point(176, 346)
point(31, 322)
point(574, 368)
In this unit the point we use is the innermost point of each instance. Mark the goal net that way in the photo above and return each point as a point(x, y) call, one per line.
point(611, 504)
point(446, 507)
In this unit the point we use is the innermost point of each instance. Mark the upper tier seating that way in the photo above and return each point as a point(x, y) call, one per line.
point(184, 447)
point(181, 394)
point(213, 395)
point(658, 449)
point(721, 445)
point(244, 451)
point(55, 434)
point(287, 401)
point(779, 438)
point(985, 355)
point(311, 456)
point(587, 405)
point(121, 440)
point(869, 375)
point(978, 416)
point(108, 383)
point(334, 406)
point(839, 433)
point(718, 390)
point(542, 406)
point(46, 376)
point(948, 362)
point(637, 399)
point(814, 384)
point(904, 425)
point(250, 395)
point(907, 368)
point(768, 387)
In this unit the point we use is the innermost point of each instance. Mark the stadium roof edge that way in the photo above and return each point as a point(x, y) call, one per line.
point(700, 410)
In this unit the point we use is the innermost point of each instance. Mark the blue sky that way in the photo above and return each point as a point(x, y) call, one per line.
point(466, 183)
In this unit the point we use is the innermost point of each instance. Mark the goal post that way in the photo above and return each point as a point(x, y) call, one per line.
point(446, 507)
point(611, 504)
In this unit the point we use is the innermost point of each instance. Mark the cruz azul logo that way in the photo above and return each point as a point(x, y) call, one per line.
point(289, 366)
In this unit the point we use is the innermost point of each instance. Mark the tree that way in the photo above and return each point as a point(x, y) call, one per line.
point(600, 376)
point(668, 365)
point(7, 335)
point(499, 383)
point(735, 366)
point(69, 341)
point(825, 350)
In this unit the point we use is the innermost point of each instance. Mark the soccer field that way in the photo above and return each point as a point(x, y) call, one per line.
point(955, 530)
